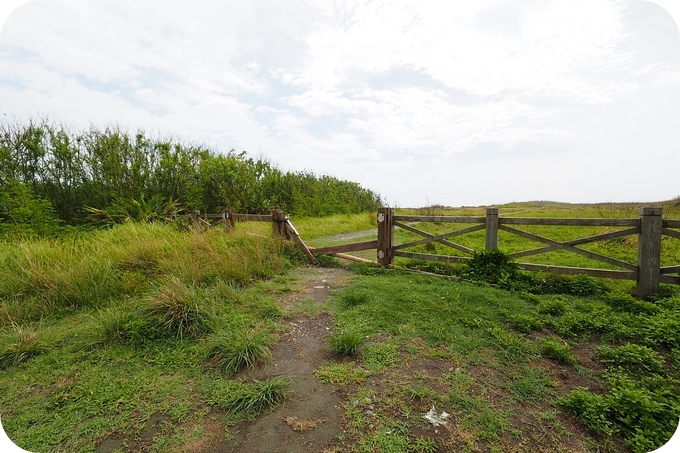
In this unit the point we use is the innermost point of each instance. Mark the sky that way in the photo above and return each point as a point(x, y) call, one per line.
point(458, 103)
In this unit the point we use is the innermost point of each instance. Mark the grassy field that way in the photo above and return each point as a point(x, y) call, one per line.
point(129, 339)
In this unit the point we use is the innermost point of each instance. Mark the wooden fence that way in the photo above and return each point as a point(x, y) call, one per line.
point(649, 228)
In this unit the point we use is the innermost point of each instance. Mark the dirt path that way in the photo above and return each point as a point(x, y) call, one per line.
point(310, 420)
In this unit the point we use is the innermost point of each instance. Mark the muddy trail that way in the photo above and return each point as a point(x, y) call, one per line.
point(310, 419)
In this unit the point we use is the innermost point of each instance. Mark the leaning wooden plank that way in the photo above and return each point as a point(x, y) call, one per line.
point(570, 222)
point(560, 245)
point(413, 229)
point(439, 219)
point(431, 257)
point(586, 240)
point(602, 273)
point(354, 247)
point(344, 256)
point(296, 237)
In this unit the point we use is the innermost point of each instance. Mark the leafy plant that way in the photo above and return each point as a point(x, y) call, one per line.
point(557, 350)
point(634, 358)
point(491, 266)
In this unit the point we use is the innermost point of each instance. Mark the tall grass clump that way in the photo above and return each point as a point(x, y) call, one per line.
point(346, 342)
point(232, 351)
point(243, 401)
point(174, 309)
point(20, 343)
point(64, 273)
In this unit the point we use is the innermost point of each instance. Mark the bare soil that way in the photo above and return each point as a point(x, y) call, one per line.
point(311, 418)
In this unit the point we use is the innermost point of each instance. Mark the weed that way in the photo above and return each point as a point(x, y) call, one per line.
point(22, 343)
point(525, 323)
point(380, 355)
point(645, 412)
point(491, 266)
point(175, 307)
point(233, 350)
point(530, 384)
point(663, 329)
point(245, 401)
point(346, 342)
point(557, 350)
point(633, 358)
point(341, 373)
point(354, 296)
point(554, 307)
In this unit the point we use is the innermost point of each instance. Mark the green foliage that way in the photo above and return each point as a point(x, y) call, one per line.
point(531, 383)
point(20, 343)
point(354, 296)
point(174, 309)
point(558, 351)
point(627, 303)
point(525, 323)
point(633, 358)
point(645, 412)
point(243, 401)
point(52, 174)
point(663, 329)
point(346, 342)
point(232, 351)
point(23, 213)
point(491, 266)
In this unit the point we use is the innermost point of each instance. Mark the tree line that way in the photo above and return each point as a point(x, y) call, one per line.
point(51, 175)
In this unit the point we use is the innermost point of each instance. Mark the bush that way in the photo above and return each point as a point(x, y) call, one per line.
point(633, 358)
point(491, 266)
point(558, 351)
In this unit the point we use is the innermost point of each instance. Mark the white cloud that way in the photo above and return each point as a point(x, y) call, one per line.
point(380, 92)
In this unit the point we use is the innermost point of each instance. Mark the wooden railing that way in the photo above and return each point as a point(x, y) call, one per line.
point(649, 228)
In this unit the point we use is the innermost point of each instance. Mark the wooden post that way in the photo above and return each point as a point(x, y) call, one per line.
point(649, 251)
point(279, 223)
point(491, 228)
point(231, 223)
point(195, 220)
point(385, 235)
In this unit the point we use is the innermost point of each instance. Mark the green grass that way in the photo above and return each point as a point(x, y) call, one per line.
point(174, 314)
point(498, 360)
point(101, 330)
point(234, 350)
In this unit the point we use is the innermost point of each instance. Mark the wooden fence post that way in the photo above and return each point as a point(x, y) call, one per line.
point(195, 220)
point(649, 251)
point(279, 223)
point(385, 235)
point(231, 223)
point(491, 228)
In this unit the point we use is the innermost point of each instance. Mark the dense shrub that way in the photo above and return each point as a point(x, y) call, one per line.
point(51, 173)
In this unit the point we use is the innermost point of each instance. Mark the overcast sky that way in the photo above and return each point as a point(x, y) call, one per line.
point(472, 103)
